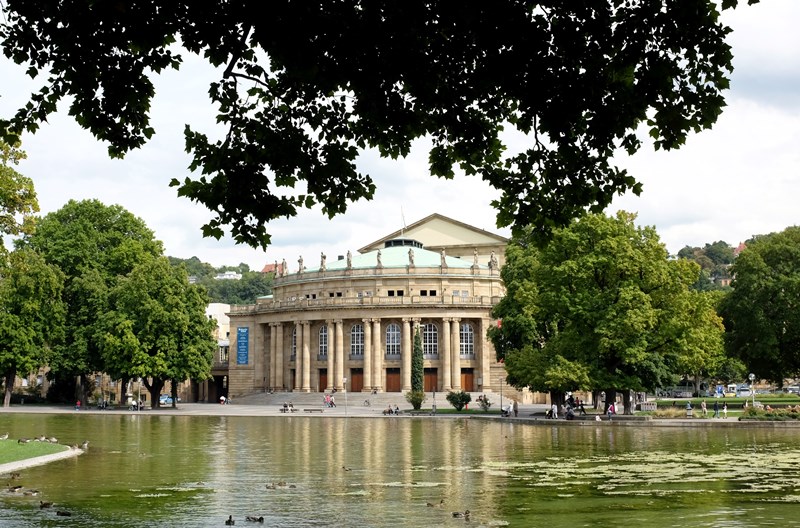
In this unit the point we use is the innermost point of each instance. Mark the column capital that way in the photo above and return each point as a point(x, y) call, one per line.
point(455, 319)
point(366, 320)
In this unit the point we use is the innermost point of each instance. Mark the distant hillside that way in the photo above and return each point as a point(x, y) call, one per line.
point(252, 285)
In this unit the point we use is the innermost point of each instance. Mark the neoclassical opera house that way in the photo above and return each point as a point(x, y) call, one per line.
point(349, 322)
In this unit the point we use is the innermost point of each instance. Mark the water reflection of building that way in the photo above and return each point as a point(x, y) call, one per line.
point(349, 322)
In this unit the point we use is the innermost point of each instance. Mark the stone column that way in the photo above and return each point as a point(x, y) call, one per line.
point(406, 340)
point(331, 353)
point(444, 355)
point(298, 356)
point(482, 353)
point(272, 356)
point(368, 355)
point(337, 381)
point(306, 387)
point(280, 377)
point(455, 345)
point(377, 355)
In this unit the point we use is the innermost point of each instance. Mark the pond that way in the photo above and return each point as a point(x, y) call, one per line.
point(295, 471)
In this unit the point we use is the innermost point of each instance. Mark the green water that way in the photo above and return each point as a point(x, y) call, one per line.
point(195, 471)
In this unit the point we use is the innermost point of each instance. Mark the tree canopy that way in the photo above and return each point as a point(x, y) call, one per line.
point(601, 307)
point(306, 87)
point(761, 318)
point(94, 245)
point(31, 315)
point(156, 327)
point(18, 202)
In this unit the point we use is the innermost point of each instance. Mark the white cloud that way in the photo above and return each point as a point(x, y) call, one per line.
point(728, 183)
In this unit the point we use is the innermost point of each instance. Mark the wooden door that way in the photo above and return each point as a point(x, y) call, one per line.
point(431, 381)
point(356, 380)
point(323, 380)
point(467, 380)
point(393, 381)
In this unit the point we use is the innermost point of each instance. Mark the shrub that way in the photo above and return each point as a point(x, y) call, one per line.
point(458, 399)
point(415, 398)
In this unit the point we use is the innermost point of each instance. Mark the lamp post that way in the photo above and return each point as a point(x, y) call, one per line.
point(501, 395)
point(752, 378)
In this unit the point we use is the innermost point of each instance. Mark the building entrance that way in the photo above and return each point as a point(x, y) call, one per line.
point(356, 380)
point(431, 380)
point(323, 380)
point(467, 380)
point(393, 381)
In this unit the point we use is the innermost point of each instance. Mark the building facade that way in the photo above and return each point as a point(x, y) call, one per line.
point(350, 323)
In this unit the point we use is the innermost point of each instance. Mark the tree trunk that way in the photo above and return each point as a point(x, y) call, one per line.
point(626, 401)
point(154, 388)
point(596, 399)
point(174, 393)
point(11, 374)
point(611, 397)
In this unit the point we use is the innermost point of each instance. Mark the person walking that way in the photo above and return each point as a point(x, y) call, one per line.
point(724, 410)
point(716, 409)
point(703, 408)
point(516, 409)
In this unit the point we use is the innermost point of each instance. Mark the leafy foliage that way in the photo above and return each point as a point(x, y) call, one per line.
point(156, 327)
point(761, 318)
point(18, 202)
point(94, 245)
point(459, 399)
point(415, 398)
point(304, 90)
point(31, 315)
point(601, 307)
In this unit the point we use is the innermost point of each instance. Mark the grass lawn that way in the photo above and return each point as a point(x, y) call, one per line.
point(11, 450)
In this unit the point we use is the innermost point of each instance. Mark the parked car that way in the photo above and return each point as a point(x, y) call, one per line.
point(166, 399)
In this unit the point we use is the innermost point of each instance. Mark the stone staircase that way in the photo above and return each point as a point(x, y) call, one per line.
point(353, 399)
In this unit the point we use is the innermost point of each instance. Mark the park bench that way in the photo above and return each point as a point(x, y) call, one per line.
point(314, 409)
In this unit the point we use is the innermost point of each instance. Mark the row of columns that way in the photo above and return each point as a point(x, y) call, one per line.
point(373, 363)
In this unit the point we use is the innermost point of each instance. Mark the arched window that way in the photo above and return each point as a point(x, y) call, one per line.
point(357, 341)
point(430, 341)
point(393, 340)
point(323, 342)
point(294, 343)
point(467, 341)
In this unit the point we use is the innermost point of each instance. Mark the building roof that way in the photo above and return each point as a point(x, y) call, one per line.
point(395, 257)
point(430, 232)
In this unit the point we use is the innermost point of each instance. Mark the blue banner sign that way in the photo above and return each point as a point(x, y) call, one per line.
point(242, 344)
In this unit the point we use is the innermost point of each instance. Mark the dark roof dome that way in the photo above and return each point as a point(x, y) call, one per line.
point(397, 242)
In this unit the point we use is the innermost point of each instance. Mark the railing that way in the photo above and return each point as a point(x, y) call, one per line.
point(269, 305)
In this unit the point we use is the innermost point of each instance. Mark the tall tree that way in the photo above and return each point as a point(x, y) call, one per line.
point(94, 245)
point(417, 364)
point(601, 307)
point(306, 88)
point(156, 328)
point(18, 202)
point(761, 315)
point(31, 315)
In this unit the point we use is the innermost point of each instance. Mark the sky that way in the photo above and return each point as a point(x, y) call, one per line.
point(728, 183)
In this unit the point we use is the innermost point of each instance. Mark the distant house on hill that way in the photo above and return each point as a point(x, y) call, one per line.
point(228, 275)
point(741, 247)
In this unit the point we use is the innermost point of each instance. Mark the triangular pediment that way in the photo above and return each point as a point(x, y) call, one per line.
point(439, 231)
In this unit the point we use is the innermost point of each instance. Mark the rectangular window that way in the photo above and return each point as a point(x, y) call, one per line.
point(432, 293)
point(390, 293)
point(423, 293)
point(338, 294)
point(399, 293)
